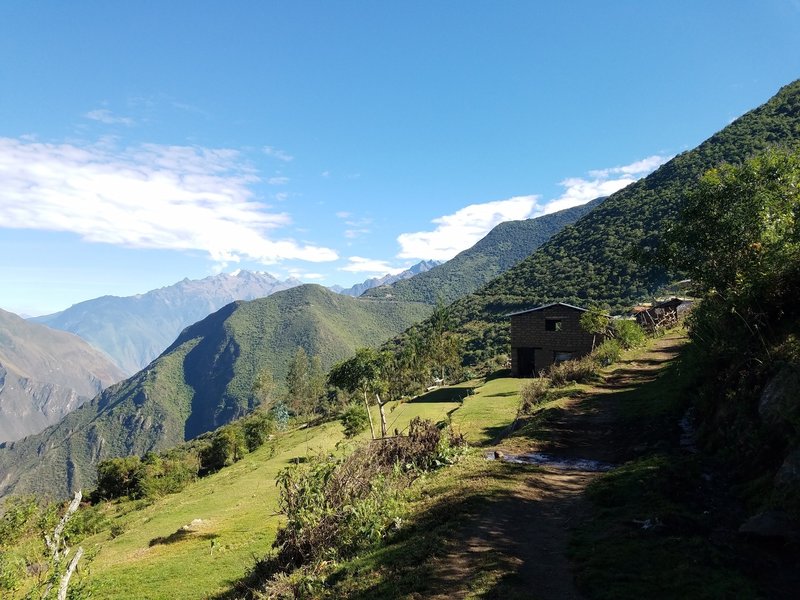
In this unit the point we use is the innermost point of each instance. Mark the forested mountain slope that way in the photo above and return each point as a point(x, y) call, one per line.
point(45, 374)
point(203, 380)
point(595, 260)
point(502, 248)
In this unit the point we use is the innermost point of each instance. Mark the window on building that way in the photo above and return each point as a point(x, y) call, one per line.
point(552, 324)
point(560, 356)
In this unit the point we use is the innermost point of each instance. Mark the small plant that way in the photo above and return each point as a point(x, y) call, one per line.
point(580, 370)
point(532, 393)
point(628, 333)
point(608, 352)
point(354, 420)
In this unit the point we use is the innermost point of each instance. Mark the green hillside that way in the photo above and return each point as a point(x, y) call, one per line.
point(595, 260)
point(136, 552)
point(502, 248)
point(202, 381)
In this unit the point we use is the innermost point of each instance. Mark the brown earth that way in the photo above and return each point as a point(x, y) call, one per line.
point(517, 545)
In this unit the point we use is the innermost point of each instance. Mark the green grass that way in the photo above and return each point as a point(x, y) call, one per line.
point(152, 559)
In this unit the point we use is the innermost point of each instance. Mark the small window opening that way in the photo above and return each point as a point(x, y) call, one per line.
point(552, 324)
point(561, 356)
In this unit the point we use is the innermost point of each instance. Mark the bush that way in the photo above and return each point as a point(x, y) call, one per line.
point(608, 352)
point(257, 429)
point(532, 393)
point(227, 447)
point(117, 477)
point(628, 333)
point(354, 420)
point(334, 506)
point(579, 370)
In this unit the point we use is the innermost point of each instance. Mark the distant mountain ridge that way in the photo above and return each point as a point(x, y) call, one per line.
point(388, 279)
point(45, 374)
point(133, 330)
point(502, 248)
point(203, 380)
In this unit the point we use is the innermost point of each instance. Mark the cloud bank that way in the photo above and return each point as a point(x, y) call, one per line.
point(359, 264)
point(462, 229)
point(146, 196)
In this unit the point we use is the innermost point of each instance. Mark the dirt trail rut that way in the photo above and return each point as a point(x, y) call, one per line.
point(517, 545)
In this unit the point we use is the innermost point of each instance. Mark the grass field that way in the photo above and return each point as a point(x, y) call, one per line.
point(231, 516)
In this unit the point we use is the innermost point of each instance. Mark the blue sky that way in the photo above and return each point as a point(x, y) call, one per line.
point(144, 142)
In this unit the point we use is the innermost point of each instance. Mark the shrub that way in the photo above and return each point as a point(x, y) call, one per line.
point(608, 352)
point(257, 429)
point(117, 477)
point(227, 447)
point(578, 370)
point(354, 420)
point(628, 333)
point(532, 393)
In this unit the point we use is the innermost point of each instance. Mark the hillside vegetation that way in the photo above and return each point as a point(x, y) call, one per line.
point(597, 259)
point(502, 248)
point(141, 549)
point(203, 380)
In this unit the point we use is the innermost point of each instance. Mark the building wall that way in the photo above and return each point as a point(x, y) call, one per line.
point(528, 331)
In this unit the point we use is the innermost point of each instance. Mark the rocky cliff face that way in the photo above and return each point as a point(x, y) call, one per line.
point(45, 374)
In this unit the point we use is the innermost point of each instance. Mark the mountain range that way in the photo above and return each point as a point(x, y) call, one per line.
point(133, 330)
point(203, 380)
point(388, 279)
point(45, 374)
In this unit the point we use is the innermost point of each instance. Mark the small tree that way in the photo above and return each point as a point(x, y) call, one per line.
point(297, 382)
point(263, 388)
point(364, 373)
point(354, 420)
point(596, 322)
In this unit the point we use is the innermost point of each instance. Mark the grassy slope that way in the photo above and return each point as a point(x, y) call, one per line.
point(202, 381)
point(238, 504)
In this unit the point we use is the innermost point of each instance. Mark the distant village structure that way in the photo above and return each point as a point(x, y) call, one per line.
point(662, 314)
point(546, 335)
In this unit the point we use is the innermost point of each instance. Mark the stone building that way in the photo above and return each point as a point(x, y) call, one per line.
point(546, 335)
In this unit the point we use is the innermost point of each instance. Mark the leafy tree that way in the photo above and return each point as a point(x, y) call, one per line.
point(596, 322)
point(297, 381)
point(363, 372)
point(738, 238)
point(741, 227)
point(263, 388)
point(117, 477)
point(227, 447)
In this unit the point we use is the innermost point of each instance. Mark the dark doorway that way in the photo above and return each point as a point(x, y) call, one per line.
point(526, 362)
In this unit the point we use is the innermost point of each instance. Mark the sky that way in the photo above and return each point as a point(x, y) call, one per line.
point(144, 142)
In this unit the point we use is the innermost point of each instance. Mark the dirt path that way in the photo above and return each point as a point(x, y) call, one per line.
point(517, 546)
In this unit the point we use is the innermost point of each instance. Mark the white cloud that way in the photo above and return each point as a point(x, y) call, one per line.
point(278, 153)
point(278, 180)
point(359, 264)
point(103, 115)
point(463, 228)
point(580, 191)
point(636, 169)
point(147, 196)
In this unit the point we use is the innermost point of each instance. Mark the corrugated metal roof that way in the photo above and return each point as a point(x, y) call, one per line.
point(522, 312)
